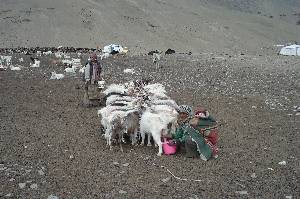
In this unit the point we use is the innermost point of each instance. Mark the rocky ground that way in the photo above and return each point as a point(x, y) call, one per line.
point(52, 146)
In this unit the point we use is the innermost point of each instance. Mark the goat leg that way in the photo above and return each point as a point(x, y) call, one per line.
point(143, 138)
point(133, 137)
point(159, 149)
point(121, 147)
point(120, 142)
point(149, 140)
point(157, 141)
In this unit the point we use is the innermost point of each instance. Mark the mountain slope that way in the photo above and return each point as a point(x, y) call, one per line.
point(139, 24)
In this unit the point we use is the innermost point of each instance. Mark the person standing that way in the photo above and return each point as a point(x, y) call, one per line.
point(92, 74)
point(93, 69)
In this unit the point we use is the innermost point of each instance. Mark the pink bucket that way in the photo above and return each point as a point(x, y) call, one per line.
point(168, 148)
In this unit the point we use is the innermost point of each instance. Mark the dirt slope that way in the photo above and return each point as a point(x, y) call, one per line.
point(189, 25)
point(52, 145)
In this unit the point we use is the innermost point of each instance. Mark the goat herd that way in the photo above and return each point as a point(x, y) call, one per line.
point(135, 109)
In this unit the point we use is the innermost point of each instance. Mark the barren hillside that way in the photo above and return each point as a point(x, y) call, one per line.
point(142, 25)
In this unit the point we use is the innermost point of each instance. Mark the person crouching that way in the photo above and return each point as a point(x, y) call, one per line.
point(206, 126)
point(197, 133)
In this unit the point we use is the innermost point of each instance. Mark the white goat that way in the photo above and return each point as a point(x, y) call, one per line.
point(170, 103)
point(116, 98)
point(70, 70)
point(115, 130)
point(104, 113)
point(116, 120)
point(156, 91)
point(156, 58)
point(36, 64)
point(131, 124)
point(54, 75)
point(47, 53)
point(14, 67)
point(105, 55)
point(115, 88)
point(38, 53)
point(156, 124)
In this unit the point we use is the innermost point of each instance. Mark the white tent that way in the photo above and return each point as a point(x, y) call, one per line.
point(112, 47)
point(290, 50)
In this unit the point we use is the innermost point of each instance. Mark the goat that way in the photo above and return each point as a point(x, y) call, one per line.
point(47, 53)
point(105, 55)
point(38, 53)
point(156, 124)
point(115, 130)
point(168, 102)
point(56, 76)
point(115, 88)
point(70, 70)
point(131, 124)
point(156, 90)
point(104, 114)
point(14, 67)
point(36, 62)
point(156, 58)
point(116, 98)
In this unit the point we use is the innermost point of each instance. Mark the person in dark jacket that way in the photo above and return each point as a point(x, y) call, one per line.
point(92, 74)
point(93, 69)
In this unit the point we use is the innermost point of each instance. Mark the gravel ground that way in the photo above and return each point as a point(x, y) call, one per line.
point(51, 145)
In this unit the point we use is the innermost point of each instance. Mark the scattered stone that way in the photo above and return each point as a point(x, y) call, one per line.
point(253, 175)
point(71, 156)
point(129, 70)
point(22, 185)
point(34, 186)
point(271, 169)
point(122, 192)
point(241, 185)
point(242, 192)
point(41, 172)
point(126, 164)
point(166, 179)
point(115, 163)
point(254, 107)
point(52, 197)
point(288, 197)
point(3, 168)
point(11, 180)
point(282, 163)
point(194, 197)
point(8, 195)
